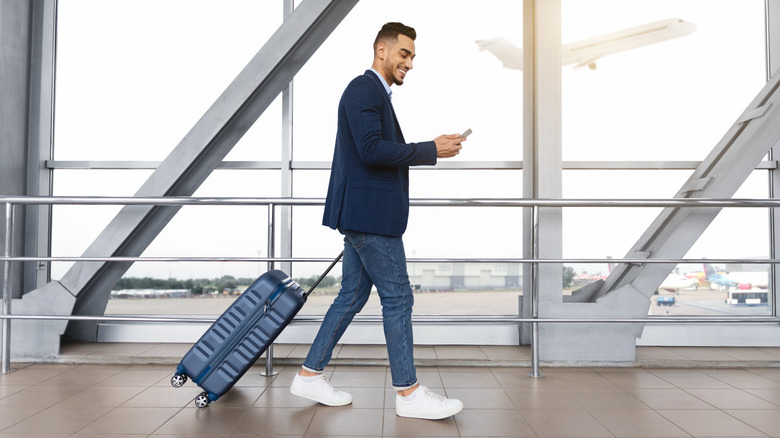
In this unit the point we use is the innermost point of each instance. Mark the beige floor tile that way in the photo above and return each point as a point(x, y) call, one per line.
point(254, 377)
point(425, 375)
point(395, 426)
point(346, 421)
point(169, 397)
point(709, 423)
point(637, 423)
point(41, 397)
point(240, 397)
point(104, 396)
point(81, 377)
point(130, 421)
point(12, 415)
point(31, 375)
point(745, 353)
point(494, 423)
point(637, 380)
point(731, 399)
point(543, 399)
point(166, 350)
point(362, 352)
point(60, 418)
point(6, 390)
point(599, 400)
point(516, 378)
point(767, 421)
point(770, 395)
point(358, 379)
point(481, 398)
point(282, 398)
point(563, 423)
point(469, 378)
point(140, 376)
point(202, 421)
point(275, 421)
point(459, 352)
point(424, 352)
point(504, 352)
point(743, 379)
point(669, 399)
point(690, 380)
point(300, 351)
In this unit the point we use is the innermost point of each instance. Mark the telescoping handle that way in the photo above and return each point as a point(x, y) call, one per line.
point(324, 274)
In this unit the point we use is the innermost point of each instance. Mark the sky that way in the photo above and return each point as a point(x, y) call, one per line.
point(134, 77)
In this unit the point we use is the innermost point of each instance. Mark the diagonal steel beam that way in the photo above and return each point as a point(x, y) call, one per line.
point(720, 175)
point(199, 152)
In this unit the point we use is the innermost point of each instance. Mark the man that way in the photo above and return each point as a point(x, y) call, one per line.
point(368, 202)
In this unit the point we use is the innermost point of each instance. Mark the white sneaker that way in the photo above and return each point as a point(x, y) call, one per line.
point(423, 403)
point(320, 391)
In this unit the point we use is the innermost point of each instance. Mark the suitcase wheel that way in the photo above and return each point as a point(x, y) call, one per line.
point(202, 400)
point(178, 380)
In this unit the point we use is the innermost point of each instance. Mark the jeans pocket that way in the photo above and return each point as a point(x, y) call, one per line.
point(355, 239)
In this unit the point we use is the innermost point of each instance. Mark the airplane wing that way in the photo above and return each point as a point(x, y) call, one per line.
point(509, 54)
point(586, 52)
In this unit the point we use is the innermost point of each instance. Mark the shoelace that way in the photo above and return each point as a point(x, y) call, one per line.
point(327, 384)
point(432, 395)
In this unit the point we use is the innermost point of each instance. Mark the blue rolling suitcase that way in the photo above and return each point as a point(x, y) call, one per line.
point(240, 335)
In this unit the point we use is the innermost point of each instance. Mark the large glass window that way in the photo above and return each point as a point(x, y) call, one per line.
point(653, 96)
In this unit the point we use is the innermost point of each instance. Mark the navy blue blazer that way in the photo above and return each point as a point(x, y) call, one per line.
point(369, 180)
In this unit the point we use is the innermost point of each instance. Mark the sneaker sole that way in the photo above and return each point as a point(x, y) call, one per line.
point(318, 400)
point(431, 417)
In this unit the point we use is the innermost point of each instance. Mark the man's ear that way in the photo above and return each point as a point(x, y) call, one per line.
point(381, 49)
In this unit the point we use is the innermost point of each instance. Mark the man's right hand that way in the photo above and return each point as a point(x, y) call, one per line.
point(448, 145)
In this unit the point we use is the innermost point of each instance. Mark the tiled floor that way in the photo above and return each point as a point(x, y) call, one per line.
point(724, 392)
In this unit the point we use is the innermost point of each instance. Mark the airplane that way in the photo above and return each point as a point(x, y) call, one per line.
point(586, 52)
point(736, 280)
point(674, 282)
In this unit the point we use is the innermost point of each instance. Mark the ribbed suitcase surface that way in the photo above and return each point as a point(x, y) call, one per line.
point(240, 335)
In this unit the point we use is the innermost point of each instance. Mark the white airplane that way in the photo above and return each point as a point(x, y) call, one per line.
point(736, 280)
point(675, 282)
point(586, 52)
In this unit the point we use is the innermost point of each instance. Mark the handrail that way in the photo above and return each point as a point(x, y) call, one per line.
point(7, 258)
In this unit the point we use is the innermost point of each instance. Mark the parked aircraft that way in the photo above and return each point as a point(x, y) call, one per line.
point(736, 280)
point(586, 52)
point(675, 282)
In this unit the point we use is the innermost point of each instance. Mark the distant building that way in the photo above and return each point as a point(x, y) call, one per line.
point(465, 276)
point(150, 293)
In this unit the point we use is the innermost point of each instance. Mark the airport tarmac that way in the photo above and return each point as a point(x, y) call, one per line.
point(704, 302)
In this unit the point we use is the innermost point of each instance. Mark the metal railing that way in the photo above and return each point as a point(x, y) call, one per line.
point(271, 203)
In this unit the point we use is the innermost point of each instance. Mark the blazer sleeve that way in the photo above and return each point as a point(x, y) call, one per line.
point(367, 111)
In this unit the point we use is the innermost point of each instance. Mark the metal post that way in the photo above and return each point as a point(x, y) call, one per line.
point(535, 372)
point(269, 353)
point(5, 340)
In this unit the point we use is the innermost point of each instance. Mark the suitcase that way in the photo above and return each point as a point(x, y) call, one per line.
point(242, 334)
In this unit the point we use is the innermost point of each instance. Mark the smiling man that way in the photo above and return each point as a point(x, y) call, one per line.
point(368, 202)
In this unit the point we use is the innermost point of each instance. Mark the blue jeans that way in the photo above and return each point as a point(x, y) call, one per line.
point(371, 260)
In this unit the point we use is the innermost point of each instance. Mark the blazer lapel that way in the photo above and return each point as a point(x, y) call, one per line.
point(389, 103)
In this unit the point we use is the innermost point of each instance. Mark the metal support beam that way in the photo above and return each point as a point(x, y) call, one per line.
point(725, 169)
point(199, 152)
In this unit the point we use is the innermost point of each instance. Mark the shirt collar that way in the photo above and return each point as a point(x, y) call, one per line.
point(384, 82)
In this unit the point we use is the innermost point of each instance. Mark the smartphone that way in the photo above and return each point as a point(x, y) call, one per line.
point(467, 133)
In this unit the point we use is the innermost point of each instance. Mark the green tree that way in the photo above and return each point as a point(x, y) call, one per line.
point(568, 276)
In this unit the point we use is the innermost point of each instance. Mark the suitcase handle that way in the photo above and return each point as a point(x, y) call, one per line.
point(324, 274)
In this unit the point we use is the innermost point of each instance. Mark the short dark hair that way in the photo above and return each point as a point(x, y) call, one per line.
point(390, 32)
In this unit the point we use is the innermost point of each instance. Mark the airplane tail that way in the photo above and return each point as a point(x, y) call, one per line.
point(710, 271)
point(611, 266)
